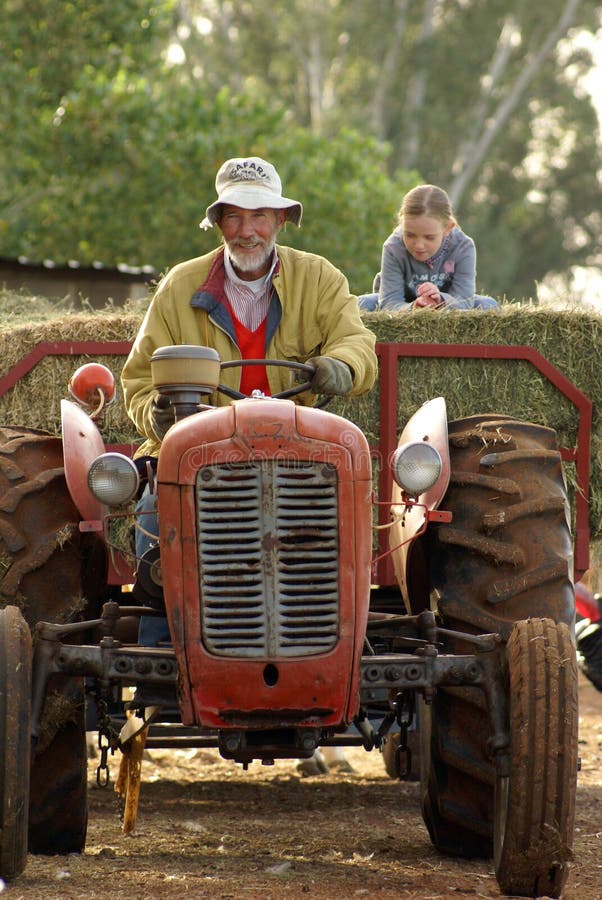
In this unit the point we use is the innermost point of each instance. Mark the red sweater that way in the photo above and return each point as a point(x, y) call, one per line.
point(252, 346)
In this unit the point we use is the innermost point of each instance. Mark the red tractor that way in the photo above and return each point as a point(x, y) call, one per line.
point(280, 641)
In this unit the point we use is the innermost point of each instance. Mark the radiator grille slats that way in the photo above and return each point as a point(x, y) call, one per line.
point(268, 558)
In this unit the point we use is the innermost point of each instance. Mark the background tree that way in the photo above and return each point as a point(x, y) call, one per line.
point(110, 151)
point(114, 120)
point(471, 93)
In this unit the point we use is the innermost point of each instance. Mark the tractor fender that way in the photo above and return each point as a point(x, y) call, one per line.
point(429, 423)
point(82, 443)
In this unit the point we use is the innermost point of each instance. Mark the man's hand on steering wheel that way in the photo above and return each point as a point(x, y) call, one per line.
point(332, 376)
point(325, 375)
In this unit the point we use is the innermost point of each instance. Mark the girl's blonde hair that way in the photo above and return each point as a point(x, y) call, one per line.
point(426, 200)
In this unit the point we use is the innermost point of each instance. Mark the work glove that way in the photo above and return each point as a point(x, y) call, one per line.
point(331, 376)
point(163, 415)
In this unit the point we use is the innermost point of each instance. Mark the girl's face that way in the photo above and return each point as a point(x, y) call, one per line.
point(423, 235)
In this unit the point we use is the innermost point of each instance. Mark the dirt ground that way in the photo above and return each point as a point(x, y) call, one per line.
point(206, 828)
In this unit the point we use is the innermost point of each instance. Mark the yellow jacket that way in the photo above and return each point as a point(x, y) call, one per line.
point(311, 313)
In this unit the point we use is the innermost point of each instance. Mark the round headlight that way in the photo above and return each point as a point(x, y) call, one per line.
point(416, 467)
point(113, 479)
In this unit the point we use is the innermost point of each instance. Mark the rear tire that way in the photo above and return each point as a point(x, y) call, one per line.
point(535, 805)
point(58, 812)
point(15, 740)
point(504, 557)
point(44, 558)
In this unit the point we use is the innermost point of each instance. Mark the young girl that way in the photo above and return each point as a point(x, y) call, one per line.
point(428, 261)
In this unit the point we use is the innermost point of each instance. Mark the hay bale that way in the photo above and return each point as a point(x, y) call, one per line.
point(568, 339)
point(34, 402)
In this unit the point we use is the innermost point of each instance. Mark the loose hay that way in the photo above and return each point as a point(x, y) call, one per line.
point(58, 710)
point(570, 340)
point(35, 401)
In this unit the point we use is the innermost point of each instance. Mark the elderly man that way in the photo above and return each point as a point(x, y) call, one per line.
point(250, 299)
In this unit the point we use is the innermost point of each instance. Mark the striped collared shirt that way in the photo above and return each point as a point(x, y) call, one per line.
point(249, 300)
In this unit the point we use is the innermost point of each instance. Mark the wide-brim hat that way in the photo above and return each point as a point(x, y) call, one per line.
point(251, 183)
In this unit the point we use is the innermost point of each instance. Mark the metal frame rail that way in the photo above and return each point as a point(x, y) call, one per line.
point(389, 354)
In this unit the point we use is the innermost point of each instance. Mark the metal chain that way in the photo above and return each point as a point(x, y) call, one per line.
point(403, 756)
point(103, 775)
point(106, 742)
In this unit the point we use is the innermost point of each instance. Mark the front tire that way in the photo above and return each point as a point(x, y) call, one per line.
point(535, 805)
point(15, 740)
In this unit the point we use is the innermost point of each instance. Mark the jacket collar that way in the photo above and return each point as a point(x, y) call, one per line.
point(211, 297)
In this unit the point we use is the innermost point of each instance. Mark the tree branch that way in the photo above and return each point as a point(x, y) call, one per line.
point(417, 88)
point(472, 155)
point(387, 73)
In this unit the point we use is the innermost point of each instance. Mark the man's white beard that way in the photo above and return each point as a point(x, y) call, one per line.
point(250, 262)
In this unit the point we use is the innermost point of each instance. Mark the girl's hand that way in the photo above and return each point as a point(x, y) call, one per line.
point(428, 295)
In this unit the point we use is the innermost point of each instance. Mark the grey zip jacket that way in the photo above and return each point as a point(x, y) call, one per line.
point(454, 273)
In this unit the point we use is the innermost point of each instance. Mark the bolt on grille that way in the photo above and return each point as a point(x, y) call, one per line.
point(268, 558)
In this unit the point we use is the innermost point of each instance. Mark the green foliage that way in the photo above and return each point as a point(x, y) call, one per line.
point(109, 150)
point(347, 198)
point(123, 157)
point(431, 78)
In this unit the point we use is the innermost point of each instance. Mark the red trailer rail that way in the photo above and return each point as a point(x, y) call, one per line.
point(389, 354)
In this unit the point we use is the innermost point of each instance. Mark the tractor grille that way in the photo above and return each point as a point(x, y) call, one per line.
point(268, 558)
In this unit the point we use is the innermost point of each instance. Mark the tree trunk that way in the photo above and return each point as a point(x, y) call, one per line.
point(472, 154)
point(387, 79)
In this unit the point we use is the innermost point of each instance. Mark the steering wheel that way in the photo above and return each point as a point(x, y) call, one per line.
point(282, 395)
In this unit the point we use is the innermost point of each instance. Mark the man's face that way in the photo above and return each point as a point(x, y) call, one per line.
point(249, 235)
